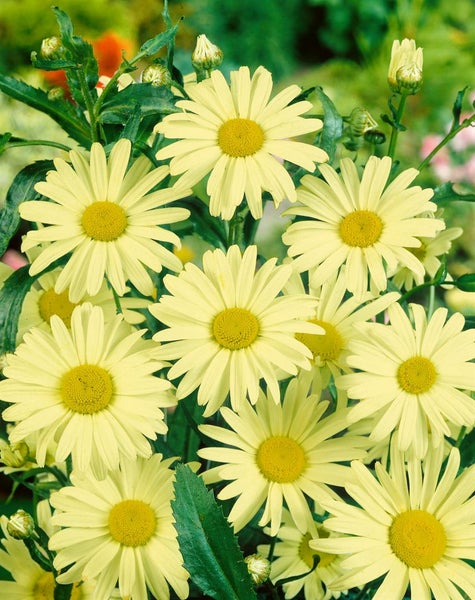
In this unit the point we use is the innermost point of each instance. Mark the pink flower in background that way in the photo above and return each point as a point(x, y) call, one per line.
point(14, 259)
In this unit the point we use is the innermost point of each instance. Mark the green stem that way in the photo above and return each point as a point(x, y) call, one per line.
point(461, 435)
point(452, 133)
point(395, 128)
point(22, 143)
point(36, 555)
point(63, 592)
point(89, 105)
point(116, 296)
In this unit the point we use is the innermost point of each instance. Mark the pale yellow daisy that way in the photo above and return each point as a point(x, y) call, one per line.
point(108, 217)
point(416, 376)
point(365, 225)
point(228, 327)
point(414, 525)
point(42, 301)
point(280, 453)
point(92, 389)
point(120, 529)
point(241, 137)
point(336, 313)
point(292, 556)
point(428, 253)
point(30, 580)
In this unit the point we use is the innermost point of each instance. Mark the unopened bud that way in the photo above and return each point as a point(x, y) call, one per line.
point(20, 525)
point(13, 455)
point(375, 136)
point(50, 47)
point(157, 75)
point(55, 93)
point(409, 79)
point(405, 65)
point(206, 55)
point(258, 567)
point(360, 122)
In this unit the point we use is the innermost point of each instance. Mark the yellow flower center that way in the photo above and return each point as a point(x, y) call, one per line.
point(307, 554)
point(327, 346)
point(361, 228)
point(416, 375)
point(240, 137)
point(417, 538)
point(132, 523)
point(51, 303)
point(104, 221)
point(281, 459)
point(235, 328)
point(44, 588)
point(86, 389)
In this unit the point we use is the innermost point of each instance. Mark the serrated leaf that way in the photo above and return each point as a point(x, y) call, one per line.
point(73, 123)
point(466, 282)
point(153, 45)
point(207, 543)
point(446, 193)
point(150, 99)
point(332, 124)
point(22, 188)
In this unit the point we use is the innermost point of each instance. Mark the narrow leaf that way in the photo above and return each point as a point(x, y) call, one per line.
point(151, 100)
point(208, 545)
point(466, 282)
point(153, 45)
point(73, 123)
point(446, 193)
point(21, 189)
point(332, 124)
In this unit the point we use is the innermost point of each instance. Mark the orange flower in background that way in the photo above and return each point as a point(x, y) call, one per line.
point(108, 50)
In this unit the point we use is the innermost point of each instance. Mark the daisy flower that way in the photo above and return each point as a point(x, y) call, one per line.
point(90, 388)
point(280, 453)
point(414, 376)
point(105, 216)
point(293, 557)
point(42, 301)
point(240, 136)
point(428, 253)
point(228, 328)
point(337, 315)
point(365, 225)
point(120, 529)
point(30, 581)
point(414, 525)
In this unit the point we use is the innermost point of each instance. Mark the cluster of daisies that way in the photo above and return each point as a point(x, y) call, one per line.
point(309, 372)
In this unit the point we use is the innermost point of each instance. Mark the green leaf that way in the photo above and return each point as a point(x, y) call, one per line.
point(457, 107)
point(446, 193)
point(183, 435)
point(151, 100)
point(21, 189)
point(466, 282)
point(63, 112)
point(153, 45)
point(332, 124)
point(467, 450)
point(207, 543)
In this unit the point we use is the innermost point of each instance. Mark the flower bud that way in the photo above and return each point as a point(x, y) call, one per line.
point(258, 567)
point(405, 56)
point(206, 55)
point(360, 122)
point(14, 455)
point(375, 136)
point(409, 79)
point(55, 93)
point(20, 525)
point(157, 75)
point(50, 47)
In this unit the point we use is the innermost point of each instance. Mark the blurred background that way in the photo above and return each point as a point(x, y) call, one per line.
point(342, 45)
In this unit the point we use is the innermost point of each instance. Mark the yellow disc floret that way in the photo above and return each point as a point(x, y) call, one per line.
point(132, 523)
point(416, 375)
point(51, 303)
point(281, 459)
point(361, 228)
point(417, 538)
point(104, 221)
point(86, 389)
point(235, 328)
point(328, 346)
point(240, 137)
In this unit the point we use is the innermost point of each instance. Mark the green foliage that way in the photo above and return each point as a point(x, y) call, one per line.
point(210, 550)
